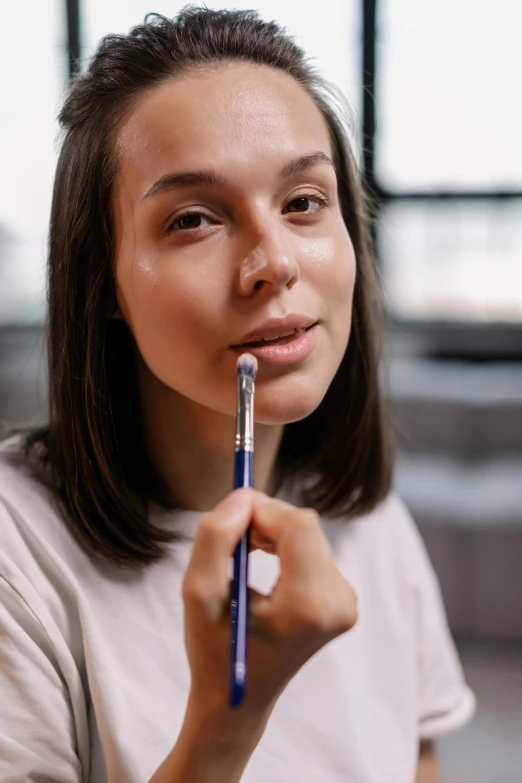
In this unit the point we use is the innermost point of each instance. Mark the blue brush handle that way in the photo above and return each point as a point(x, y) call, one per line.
point(244, 477)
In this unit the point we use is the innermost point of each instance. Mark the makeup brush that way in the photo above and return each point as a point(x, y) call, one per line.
point(243, 477)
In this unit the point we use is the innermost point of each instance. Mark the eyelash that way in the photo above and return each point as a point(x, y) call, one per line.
point(321, 200)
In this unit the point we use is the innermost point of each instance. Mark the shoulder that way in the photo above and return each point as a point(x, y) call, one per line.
point(396, 523)
point(384, 556)
point(392, 519)
point(402, 610)
point(388, 535)
point(40, 627)
point(43, 570)
point(15, 468)
point(35, 540)
point(23, 495)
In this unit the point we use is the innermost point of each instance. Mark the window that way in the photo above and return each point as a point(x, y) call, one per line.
point(447, 85)
point(34, 66)
point(455, 259)
point(447, 123)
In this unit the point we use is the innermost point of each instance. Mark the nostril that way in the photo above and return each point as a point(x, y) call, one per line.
point(258, 285)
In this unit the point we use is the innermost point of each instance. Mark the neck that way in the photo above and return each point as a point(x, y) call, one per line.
point(192, 446)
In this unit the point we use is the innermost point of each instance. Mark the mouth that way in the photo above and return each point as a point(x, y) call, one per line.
point(287, 348)
point(282, 339)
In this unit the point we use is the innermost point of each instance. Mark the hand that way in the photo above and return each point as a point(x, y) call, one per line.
point(311, 604)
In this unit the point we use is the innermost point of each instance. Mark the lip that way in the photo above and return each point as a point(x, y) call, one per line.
point(294, 351)
point(274, 326)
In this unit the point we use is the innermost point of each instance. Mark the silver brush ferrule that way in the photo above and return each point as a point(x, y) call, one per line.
point(245, 414)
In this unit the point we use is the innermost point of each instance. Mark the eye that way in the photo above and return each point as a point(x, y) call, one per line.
point(188, 221)
point(303, 204)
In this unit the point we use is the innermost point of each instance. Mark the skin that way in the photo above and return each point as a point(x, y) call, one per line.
point(428, 769)
point(311, 604)
point(190, 293)
point(196, 268)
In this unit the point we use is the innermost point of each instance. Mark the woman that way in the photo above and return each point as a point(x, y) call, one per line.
point(206, 202)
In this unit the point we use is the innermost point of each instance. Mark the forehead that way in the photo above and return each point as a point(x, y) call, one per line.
point(234, 116)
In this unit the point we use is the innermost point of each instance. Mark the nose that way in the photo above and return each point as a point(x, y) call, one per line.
point(270, 262)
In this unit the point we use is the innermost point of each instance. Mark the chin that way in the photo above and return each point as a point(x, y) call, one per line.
point(285, 410)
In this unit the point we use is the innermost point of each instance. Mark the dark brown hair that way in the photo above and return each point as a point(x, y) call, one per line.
point(93, 449)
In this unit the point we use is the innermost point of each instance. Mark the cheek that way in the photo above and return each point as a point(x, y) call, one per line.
point(331, 268)
point(333, 274)
point(344, 272)
point(342, 258)
point(341, 287)
point(169, 309)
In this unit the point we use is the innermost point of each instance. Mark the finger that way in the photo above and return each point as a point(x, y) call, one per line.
point(258, 605)
point(216, 538)
point(297, 534)
point(258, 541)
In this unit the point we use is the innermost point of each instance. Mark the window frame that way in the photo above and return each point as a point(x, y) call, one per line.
point(434, 337)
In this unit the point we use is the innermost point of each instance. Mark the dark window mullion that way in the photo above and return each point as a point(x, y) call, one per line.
point(450, 195)
point(72, 12)
point(369, 45)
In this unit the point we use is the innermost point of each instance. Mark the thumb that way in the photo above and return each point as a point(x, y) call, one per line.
point(217, 535)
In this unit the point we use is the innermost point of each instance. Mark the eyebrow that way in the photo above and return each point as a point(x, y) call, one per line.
point(188, 178)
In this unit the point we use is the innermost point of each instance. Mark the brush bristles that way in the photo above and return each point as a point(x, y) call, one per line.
point(247, 365)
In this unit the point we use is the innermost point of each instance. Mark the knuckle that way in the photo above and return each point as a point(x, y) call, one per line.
point(209, 530)
point(307, 615)
point(349, 613)
point(354, 608)
point(194, 592)
point(348, 619)
point(316, 614)
point(309, 518)
point(203, 600)
point(312, 618)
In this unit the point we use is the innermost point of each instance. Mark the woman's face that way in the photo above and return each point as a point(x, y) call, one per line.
point(227, 216)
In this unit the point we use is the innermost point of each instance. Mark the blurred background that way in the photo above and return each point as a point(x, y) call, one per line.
point(437, 127)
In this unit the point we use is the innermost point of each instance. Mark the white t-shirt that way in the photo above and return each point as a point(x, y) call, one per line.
point(94, 676)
